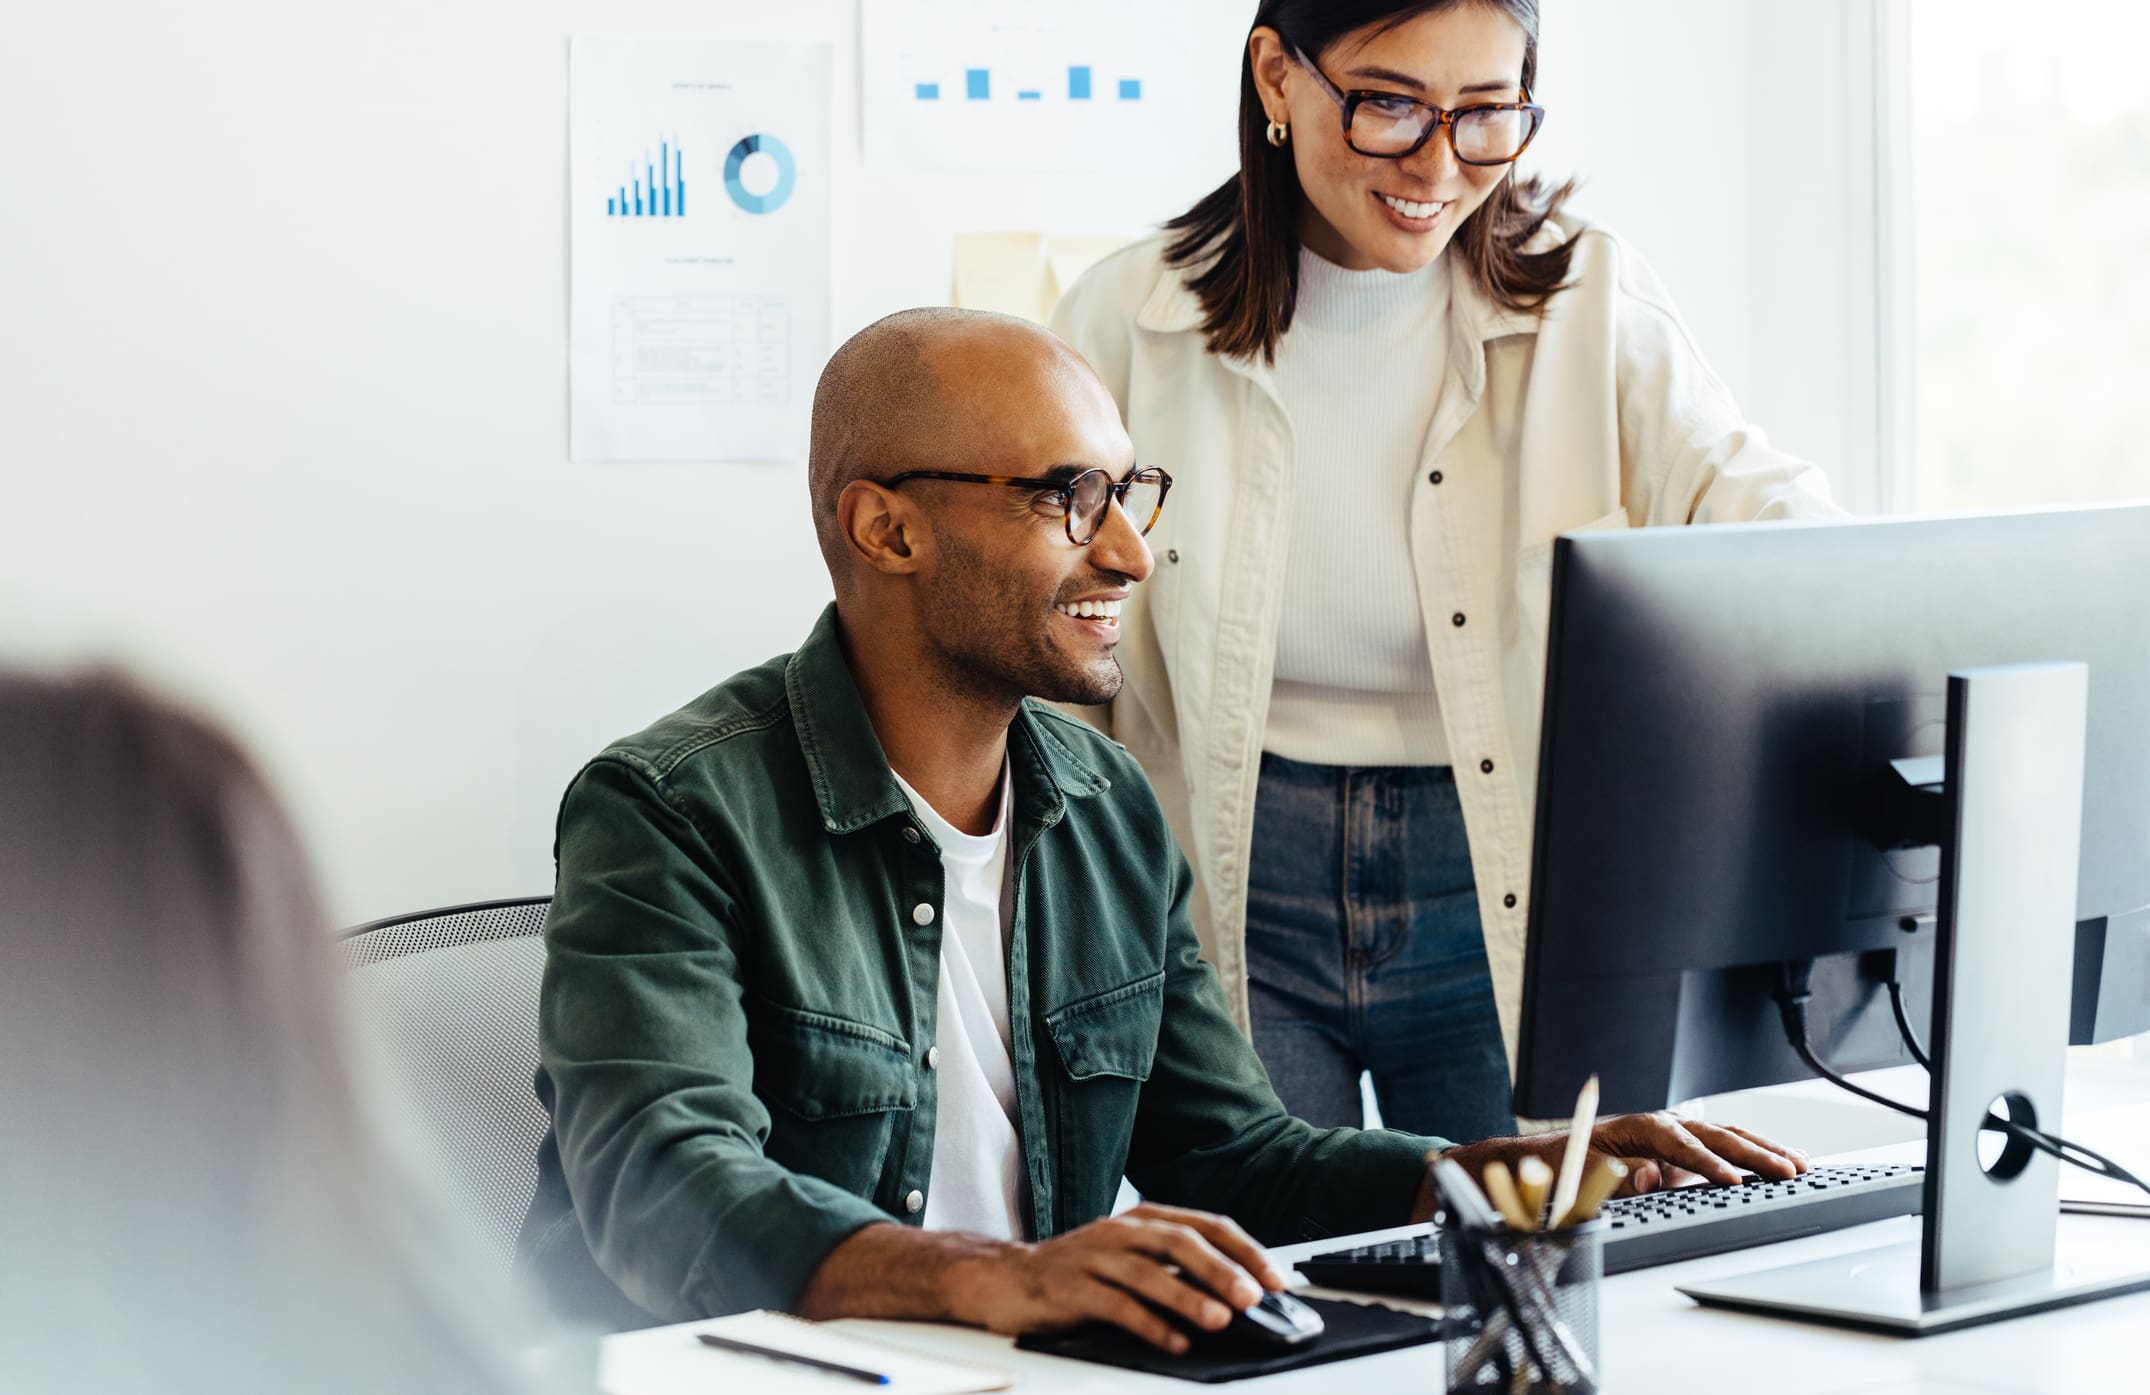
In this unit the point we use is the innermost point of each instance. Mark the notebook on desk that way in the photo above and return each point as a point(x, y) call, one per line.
point(674, 1361)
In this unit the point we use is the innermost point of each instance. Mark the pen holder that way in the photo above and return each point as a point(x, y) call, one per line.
point(1523, 1308)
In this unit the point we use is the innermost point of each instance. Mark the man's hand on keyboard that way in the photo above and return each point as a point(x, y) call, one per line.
point(1660, 1150)
point(1663, 1150)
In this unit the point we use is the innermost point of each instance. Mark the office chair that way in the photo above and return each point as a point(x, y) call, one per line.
point(451, 998)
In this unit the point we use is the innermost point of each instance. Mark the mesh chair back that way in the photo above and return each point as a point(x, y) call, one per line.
point(452, 997)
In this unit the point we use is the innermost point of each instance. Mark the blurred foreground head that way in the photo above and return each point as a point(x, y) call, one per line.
point(201, 1195)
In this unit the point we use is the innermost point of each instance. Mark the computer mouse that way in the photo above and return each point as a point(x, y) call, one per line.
point(1278, 1322)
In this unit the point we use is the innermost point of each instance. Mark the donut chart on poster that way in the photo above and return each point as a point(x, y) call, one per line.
point(787, 174)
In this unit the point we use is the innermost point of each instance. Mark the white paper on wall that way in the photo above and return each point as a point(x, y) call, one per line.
point(699, 227)
point(1028, 84)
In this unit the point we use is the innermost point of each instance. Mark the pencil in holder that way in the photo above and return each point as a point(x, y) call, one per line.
point(1522, 1308)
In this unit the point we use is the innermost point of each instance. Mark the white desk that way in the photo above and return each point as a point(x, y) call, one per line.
point(1653, 1339)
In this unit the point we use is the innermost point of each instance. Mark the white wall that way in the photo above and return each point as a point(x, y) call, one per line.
point(283, 394)
point(1733, 144)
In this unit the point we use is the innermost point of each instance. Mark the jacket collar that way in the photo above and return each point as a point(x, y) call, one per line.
point(1172, 307)
point(1478, 320)
point(853, 785)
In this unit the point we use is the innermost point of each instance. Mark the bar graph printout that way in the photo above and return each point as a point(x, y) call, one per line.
point(699, 220)
point(970, 85)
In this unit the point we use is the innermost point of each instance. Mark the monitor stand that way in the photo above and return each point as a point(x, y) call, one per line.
point(1991, 1245)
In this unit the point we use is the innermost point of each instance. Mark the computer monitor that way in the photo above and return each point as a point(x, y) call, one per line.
point(1730, 768)
point(1721, 707)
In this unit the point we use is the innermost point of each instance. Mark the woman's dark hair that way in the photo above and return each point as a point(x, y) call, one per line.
point(1242, 241)
point(209, 1194)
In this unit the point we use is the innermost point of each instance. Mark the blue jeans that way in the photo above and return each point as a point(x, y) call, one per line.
point(1364, 951)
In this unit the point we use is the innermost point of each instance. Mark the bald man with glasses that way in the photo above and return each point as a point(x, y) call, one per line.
point(869, 975)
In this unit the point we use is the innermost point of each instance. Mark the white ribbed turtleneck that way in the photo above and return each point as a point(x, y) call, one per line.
point(1360, 372)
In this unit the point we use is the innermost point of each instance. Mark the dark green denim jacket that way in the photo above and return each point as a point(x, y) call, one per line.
point(740, 992)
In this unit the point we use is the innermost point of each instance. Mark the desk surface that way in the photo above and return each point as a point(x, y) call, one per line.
point(1653, 1337)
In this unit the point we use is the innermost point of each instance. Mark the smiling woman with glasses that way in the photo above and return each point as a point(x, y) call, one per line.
point(1390, 126)
point(1388, 368)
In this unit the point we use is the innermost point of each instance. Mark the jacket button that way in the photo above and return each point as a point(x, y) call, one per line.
point(922, 913)
point(910, 835)
point(933, 1053)
point(1509, 900)
point(1457, 619)
point(1172, 554)
point(1485, 765)
point(1434, 478)
point(915, 1202)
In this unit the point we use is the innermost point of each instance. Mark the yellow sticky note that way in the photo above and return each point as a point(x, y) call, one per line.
point(1004, 272)
point(1070, 257)
point(1024, 273)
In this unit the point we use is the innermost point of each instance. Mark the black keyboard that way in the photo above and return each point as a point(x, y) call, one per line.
point(1663, 1227)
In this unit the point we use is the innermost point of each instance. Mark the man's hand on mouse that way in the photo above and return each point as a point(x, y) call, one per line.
point(1182, 1262)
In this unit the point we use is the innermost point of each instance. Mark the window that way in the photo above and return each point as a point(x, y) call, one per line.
point(2030, 237)
point(2030, 228)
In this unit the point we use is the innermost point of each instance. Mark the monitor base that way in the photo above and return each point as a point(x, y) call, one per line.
point(1878, 1290)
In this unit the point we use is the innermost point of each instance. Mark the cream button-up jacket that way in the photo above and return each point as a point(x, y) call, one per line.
point(1599, 414)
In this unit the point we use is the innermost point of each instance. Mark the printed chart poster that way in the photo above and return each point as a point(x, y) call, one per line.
point(698, 172)
point(974, 85)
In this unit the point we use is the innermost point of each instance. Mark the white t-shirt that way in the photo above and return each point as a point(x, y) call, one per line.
point(977, 1179)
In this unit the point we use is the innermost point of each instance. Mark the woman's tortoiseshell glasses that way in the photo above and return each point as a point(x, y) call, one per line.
point(1390, 125)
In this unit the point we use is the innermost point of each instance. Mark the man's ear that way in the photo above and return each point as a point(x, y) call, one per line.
point(881, 527)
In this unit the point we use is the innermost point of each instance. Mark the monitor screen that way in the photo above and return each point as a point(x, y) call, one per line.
point(1721, 708)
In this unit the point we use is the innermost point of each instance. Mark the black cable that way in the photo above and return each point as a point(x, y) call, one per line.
point(2047, 1143)
point(2098, 1165)
point(1792, 994)
point(1903, 1018)
point(1793, 991)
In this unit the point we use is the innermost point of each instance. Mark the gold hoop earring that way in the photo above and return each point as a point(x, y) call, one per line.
point(1278, 134)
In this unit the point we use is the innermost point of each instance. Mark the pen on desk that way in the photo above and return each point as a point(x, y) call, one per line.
point(2133, 1210)
point(711, 1339)
point(1578, 1149)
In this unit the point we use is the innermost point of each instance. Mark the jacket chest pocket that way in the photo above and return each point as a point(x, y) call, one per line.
point(835, 1090)
point(1107, 1046)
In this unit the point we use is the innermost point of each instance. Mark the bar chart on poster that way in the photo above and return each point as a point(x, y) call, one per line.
point(659, 190)
point(1023, 84)
point(699, 176)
